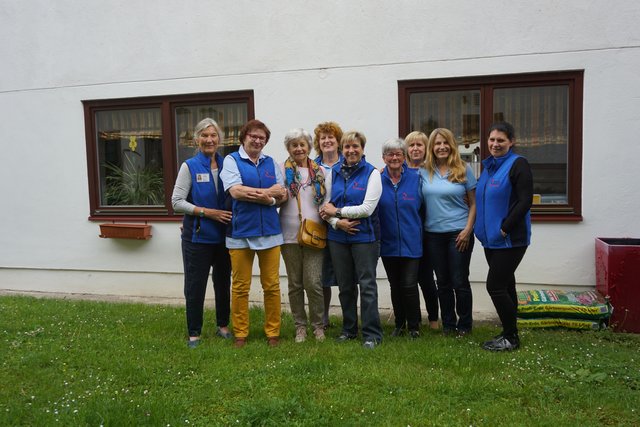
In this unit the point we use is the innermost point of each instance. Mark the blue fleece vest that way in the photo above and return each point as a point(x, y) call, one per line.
point(203, 193)
point(351, 193)
point(399, 213)
point(254, 219)
point(493, 197)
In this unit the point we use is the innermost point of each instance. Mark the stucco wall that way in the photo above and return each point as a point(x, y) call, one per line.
point(306, 62)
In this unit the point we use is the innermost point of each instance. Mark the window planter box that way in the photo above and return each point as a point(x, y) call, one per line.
point(125, 231)
point(617, 273)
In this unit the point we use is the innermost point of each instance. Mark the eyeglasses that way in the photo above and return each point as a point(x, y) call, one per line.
point(257, 138)
point(396, 154)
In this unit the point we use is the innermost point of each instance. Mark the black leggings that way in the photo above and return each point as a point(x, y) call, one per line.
point(501, 285)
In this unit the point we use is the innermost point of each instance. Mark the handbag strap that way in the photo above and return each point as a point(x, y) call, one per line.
point(299, 208)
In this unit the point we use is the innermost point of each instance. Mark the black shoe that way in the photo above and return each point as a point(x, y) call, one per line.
point(501, 343)
point(397, 332)
point(414, 334)
point(370, 344)
point(447, 332)
point(345, 338)
point(226, 335)
point(463, 332)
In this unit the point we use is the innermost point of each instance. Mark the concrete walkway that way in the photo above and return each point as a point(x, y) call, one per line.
point(167, 288)
point(486, 314)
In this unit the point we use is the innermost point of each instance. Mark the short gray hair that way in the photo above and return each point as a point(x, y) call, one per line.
point(202, 125)
point(392, 144)
point(295, 135)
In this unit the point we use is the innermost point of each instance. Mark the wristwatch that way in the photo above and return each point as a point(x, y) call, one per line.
point(201, 213)
point(338, 213)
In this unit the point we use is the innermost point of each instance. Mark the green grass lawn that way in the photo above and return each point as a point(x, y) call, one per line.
point(89, 363)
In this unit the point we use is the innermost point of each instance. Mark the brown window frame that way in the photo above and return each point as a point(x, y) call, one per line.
point(574, 79)
point(167, 106)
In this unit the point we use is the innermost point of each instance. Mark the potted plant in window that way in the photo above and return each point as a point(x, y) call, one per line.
point(131, 184)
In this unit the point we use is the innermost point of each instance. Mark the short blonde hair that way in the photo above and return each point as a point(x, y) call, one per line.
point(353, 135)
point(416, 135)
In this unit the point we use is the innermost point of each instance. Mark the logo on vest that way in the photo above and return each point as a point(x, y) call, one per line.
point(267, 174)
point(494, 182)
point(357, 186)
point(407, 197)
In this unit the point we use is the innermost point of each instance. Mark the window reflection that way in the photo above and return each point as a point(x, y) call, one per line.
point(130, 157)
point(540, 116)
point(458, 111)
point(230, 117)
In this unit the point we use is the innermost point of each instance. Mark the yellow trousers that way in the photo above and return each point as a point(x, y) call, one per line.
point(241, 268)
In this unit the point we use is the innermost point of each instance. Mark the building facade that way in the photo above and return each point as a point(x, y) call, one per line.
point(89, 91)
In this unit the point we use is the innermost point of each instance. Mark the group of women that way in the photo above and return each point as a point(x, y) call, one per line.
point(246, 205)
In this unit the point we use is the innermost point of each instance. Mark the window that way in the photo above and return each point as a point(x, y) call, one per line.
point(544, 108)
point(135, 147)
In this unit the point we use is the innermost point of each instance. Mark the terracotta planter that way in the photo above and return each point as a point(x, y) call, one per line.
point(125, 231)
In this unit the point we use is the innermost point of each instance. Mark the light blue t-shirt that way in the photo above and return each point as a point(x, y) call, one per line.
point(446, 209)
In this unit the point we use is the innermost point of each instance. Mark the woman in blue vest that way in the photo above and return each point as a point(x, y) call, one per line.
point(503, 226)
point(448, 188)
point(400, 224)
point(256, 185)
point(354, 190)
point(326, 142)
point(198, 193)
point(416, 143)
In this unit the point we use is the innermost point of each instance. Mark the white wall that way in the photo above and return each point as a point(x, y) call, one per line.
point(306, 62)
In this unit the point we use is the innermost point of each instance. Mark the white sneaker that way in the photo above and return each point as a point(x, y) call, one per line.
point(301, 334)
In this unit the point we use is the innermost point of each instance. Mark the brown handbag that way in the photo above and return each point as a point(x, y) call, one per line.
point(311, 234)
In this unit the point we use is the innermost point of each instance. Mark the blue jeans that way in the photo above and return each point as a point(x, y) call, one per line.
point(198, 260)
point(402, 274)
point(452, 274)
point(355, 263)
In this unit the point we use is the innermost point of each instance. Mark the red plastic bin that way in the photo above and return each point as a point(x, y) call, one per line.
point(618, 277)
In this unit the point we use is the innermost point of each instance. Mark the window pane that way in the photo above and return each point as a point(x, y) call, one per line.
point(540, 116)
point(129, 147)
point(458, 111)
point(230, 117)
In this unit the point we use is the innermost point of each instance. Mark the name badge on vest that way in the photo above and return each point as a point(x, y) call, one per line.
point(202, 177)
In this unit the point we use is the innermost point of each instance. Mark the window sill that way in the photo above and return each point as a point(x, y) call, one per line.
point(555, 217)
point(136, 218)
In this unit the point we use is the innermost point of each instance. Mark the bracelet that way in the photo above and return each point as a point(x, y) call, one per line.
point(273, 201)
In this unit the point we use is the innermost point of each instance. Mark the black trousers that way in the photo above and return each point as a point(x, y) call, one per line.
point(198, 260)
point(501, 285)
point(427, 283)
point(402, 274)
